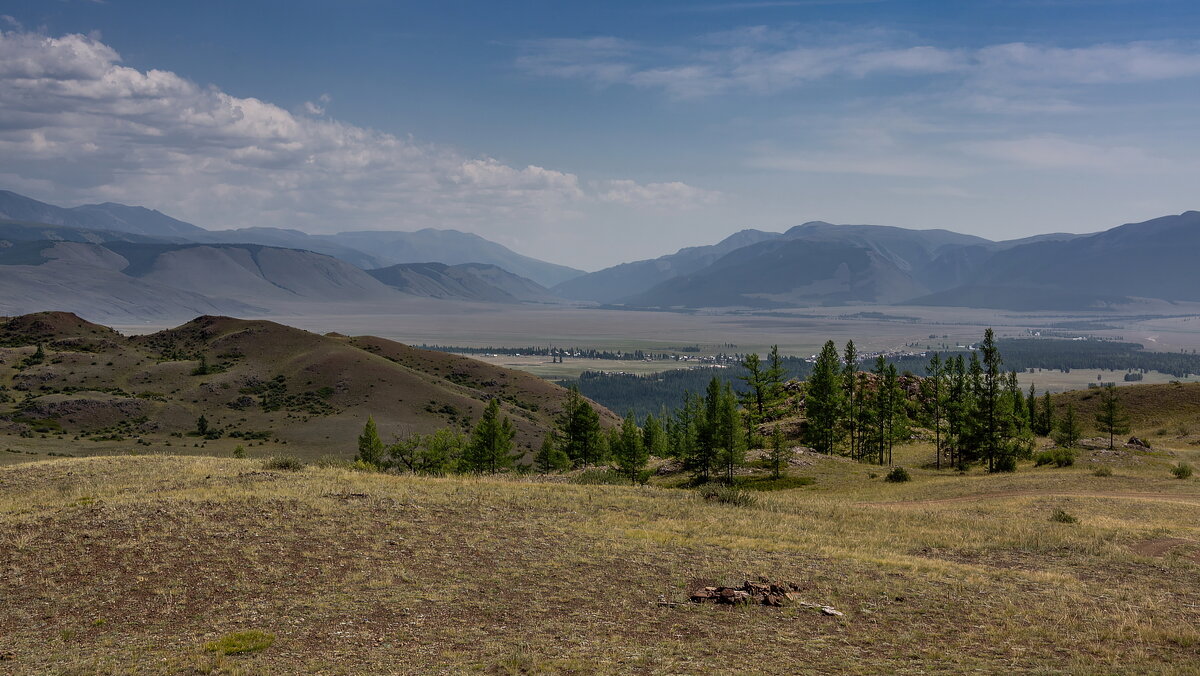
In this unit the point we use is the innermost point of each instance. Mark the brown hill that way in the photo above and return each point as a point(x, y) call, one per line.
point(259, 383)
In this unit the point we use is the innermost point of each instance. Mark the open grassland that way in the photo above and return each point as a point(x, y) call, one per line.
point(149, 564)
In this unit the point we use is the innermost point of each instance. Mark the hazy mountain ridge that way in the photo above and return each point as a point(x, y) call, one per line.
point(365, 249)
point(468, 281)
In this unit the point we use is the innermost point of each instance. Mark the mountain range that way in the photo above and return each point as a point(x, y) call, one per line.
point(112, 260)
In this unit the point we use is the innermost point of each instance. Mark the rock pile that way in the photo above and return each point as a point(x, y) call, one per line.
point(759, 593)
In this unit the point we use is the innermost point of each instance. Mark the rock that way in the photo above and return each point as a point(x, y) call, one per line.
point(1134, 441)
point(828, 610)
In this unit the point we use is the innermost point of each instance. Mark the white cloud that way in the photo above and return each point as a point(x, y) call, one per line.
point(766, 60)
point(77, 125)
point(672, 195)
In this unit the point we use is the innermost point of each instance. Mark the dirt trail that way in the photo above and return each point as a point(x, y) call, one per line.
point(1185, 499)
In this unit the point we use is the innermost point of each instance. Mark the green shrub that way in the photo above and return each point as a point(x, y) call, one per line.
point(1005, 463)
point(239, 451)
point(727, 495)
point(897, 475)
point(241, 642)
point(1059, 457)
point(1103, 471)
point(285, 463)
point(1182, 470)
point(1061, 515)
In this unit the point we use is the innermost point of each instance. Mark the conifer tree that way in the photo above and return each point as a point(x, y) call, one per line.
point(935, 402)
point(1047, 418)
point(775, 376)
point(491, 445)
point(1031, 402)
point(1111, 419)
point(579, 429)
point(370, 446)
point(202, 425)
point(731, 452)
point(653, 437)
point(991, 415)
point(823, 400)
point(550, 458)
point(1068, 432)
point(853, 397)
point(779, 452)
point(629, 449)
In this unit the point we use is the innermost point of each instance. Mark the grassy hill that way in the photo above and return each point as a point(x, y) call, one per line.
point(142, 564)
point(266, 386)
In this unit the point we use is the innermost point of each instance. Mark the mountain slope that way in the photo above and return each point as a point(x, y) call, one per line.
point(107, 216)
point(779, 273)
point(266, 381)
point(612, 284)
point(451, 247)
point(1151, 259)
point(468, 281)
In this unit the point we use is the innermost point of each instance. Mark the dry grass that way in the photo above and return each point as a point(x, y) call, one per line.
point(134, 565)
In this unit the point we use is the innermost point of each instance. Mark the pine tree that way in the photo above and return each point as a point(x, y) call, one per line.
point(779, 453)
point(491, 446)
point(991, 415)
point(579, 429)
point(550, 458)
point(1111, 419)
point(935, 402)
point(702, 457)
point(629, 449)
point(370, 446)
point(1069, 431)
point(1031, 402)
point(754, 399)
point(775, 376)
point(852, 395)
point(202, 425)
point(1046, 422)
point(823, 400)
point(731, 453)
point(653, 437)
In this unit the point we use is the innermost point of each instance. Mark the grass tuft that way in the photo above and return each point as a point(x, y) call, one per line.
point(284, 463)
point(240, 642)
point(1182, 471)
point(1061, 515)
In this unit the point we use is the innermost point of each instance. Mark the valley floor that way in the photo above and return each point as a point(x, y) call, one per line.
point(133, 564)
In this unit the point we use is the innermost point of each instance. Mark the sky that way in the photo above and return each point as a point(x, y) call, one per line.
point(594, 133)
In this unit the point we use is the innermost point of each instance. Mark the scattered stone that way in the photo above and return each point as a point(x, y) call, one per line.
point(1134, 441)
point(763, 593)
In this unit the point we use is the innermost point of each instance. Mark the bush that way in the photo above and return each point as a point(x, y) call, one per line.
point(1182, 470)
point(897, 475)
point(1061, 515)
point(241, 642)
point(1005, 463)
point(1103, 471)
point(727, 495)
point(285, 463)
point(1059, 457)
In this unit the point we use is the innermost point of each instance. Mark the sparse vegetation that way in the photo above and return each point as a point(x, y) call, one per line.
point(727, 494)
point(1060, 515)
point(1182, 471)
point(284, 463)
point(240, 642)
point(897, 475)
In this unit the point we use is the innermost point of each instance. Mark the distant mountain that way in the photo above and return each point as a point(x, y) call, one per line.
point(25, 231)
point(156, 280)
point(366, 249)
point(467, 281)
point(292, 239)
point(628, 279)
point(451, 247)
point(107, 216)
point(1152, 259)
point(783, 272)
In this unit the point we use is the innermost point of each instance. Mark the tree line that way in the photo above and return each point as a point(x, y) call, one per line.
point(972, 407)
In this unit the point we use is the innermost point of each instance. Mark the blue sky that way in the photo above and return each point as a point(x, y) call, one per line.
point(590, 133)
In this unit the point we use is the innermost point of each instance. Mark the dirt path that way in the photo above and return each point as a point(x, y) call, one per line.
point(1184, 499)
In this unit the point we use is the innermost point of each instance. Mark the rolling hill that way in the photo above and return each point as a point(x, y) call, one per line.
point(258, 382)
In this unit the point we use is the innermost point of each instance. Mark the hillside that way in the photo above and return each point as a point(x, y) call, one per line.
point(107, 216)
point(268, 385)
point(467, 281)
point(153, 559)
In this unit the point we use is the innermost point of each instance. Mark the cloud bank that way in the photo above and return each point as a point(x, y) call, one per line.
point(76, 124)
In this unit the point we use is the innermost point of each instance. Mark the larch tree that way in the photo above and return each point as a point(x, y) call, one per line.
point(1111, 419)
point(370, 446)
point(823, 400)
